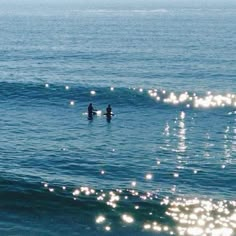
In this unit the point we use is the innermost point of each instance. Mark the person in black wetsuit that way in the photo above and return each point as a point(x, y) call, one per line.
point(109, 112)
point(90, 111)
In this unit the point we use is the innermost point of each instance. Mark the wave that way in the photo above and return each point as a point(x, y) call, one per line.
point(56, 94)
point(117, 210)
point(114, 11)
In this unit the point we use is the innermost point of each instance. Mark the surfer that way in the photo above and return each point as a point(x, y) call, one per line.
point(109, 109)
point(108, 112)
point(90, 111)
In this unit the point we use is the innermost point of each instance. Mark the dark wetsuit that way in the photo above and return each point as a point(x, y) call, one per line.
point(109, 110)
point(90, 110)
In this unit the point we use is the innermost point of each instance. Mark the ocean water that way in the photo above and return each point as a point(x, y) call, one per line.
point(164, 165)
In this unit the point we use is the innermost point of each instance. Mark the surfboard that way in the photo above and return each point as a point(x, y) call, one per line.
point(96, 113)
point(112, 114)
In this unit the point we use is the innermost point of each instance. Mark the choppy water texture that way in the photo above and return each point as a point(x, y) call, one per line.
point(163, 165)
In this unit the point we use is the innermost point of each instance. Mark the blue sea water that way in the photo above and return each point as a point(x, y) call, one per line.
point(165, 163)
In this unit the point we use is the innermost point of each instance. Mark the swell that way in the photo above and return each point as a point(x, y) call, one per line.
point(56, 94)
point(99, 210)
point(38, 202)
